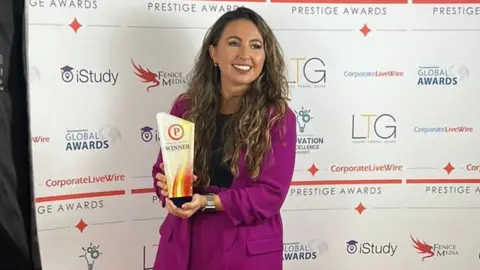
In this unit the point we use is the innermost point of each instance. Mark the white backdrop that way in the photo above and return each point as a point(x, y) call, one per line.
point(386, 95)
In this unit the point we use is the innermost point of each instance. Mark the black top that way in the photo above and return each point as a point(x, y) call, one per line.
point(220, 175)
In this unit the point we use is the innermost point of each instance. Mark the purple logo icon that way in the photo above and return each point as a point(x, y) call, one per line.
point(352, 246)
point(67, 74)
point(146, 133)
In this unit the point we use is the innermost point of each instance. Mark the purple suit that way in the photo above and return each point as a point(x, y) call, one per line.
point(248, 234)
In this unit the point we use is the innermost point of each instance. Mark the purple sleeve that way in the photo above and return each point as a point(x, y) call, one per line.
point(266, 195)
point(176, 111)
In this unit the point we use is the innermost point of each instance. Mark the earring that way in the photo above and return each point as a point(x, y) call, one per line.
point(215, 63)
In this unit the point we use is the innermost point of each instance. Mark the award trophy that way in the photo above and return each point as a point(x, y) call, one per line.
point(177, 146)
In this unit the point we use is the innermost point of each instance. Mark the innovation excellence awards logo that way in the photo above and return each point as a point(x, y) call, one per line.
point(91, 255)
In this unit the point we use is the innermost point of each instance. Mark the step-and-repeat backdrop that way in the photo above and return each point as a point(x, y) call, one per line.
point(386, 95)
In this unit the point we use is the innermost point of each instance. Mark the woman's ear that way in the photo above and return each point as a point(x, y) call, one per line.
point(212, 52)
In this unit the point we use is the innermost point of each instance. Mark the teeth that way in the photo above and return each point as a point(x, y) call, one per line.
point(242, 67)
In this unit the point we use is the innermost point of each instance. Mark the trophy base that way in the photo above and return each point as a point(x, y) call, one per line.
point(179, 201)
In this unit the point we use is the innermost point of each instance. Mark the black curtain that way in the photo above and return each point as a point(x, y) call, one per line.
point(17, 224)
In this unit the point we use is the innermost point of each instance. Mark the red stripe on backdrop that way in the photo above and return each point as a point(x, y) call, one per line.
point(80, 196)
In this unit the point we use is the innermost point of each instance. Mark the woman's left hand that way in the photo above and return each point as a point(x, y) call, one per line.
point(188, 209)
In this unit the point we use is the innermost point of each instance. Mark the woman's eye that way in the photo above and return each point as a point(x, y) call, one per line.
point(256, 46)
point(233, 43)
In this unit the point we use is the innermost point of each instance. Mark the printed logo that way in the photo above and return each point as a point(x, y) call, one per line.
point(147, 76)
point(147, 133)
point(373, 74)
point(159, 78)
point(438, 250)
point(383, 129)
point(299, 252)
point(40, 139)
point(85, 139)
point(436, 75)
point(443, 129)
point(306, 142)
point(303, 118)
point(72, 75)
point(368, 248)
point(91, 255)
point(175, 132)
point(308, 73)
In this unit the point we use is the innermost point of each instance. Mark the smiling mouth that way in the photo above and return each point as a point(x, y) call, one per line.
point(242, 67)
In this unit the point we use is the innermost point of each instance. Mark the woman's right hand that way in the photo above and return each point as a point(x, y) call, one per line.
point(162, 182)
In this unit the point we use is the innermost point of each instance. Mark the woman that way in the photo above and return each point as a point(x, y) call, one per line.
point(244, 153)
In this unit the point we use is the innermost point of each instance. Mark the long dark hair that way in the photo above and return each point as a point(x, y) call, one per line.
point(249, 127)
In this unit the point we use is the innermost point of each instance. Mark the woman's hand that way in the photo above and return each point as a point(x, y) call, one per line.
point(188, 209)
point(162, 181)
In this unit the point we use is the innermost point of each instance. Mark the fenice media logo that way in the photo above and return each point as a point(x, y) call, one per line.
point(436, 250)
point(70, 74)
point(157, 78)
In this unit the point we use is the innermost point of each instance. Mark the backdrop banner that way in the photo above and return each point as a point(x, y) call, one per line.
point(385, 93)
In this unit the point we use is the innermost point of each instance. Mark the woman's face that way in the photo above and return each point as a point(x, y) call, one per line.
point(240, 56)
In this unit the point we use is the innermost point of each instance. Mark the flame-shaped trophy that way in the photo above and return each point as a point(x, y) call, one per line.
point(177, 146)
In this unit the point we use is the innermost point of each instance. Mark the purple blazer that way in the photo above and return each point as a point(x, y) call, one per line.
point(253, 234)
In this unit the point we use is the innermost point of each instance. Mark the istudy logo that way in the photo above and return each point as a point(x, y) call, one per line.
point(368, 248)
point(88, 76)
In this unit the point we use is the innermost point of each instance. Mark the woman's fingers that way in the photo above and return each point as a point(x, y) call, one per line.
point(162, 185)
point(161, 178)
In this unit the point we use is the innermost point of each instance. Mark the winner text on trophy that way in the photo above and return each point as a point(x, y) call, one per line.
point(177, 147)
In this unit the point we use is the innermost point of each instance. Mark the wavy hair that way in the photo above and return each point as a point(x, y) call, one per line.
point(261, 107)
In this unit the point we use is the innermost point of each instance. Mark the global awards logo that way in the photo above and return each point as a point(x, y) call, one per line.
point(441, 76)
point(306, 142)
point(435, 250)
point(86, 139)
point(370, 248)
point(302, 252)
point(70, 74)
point(91, 255)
